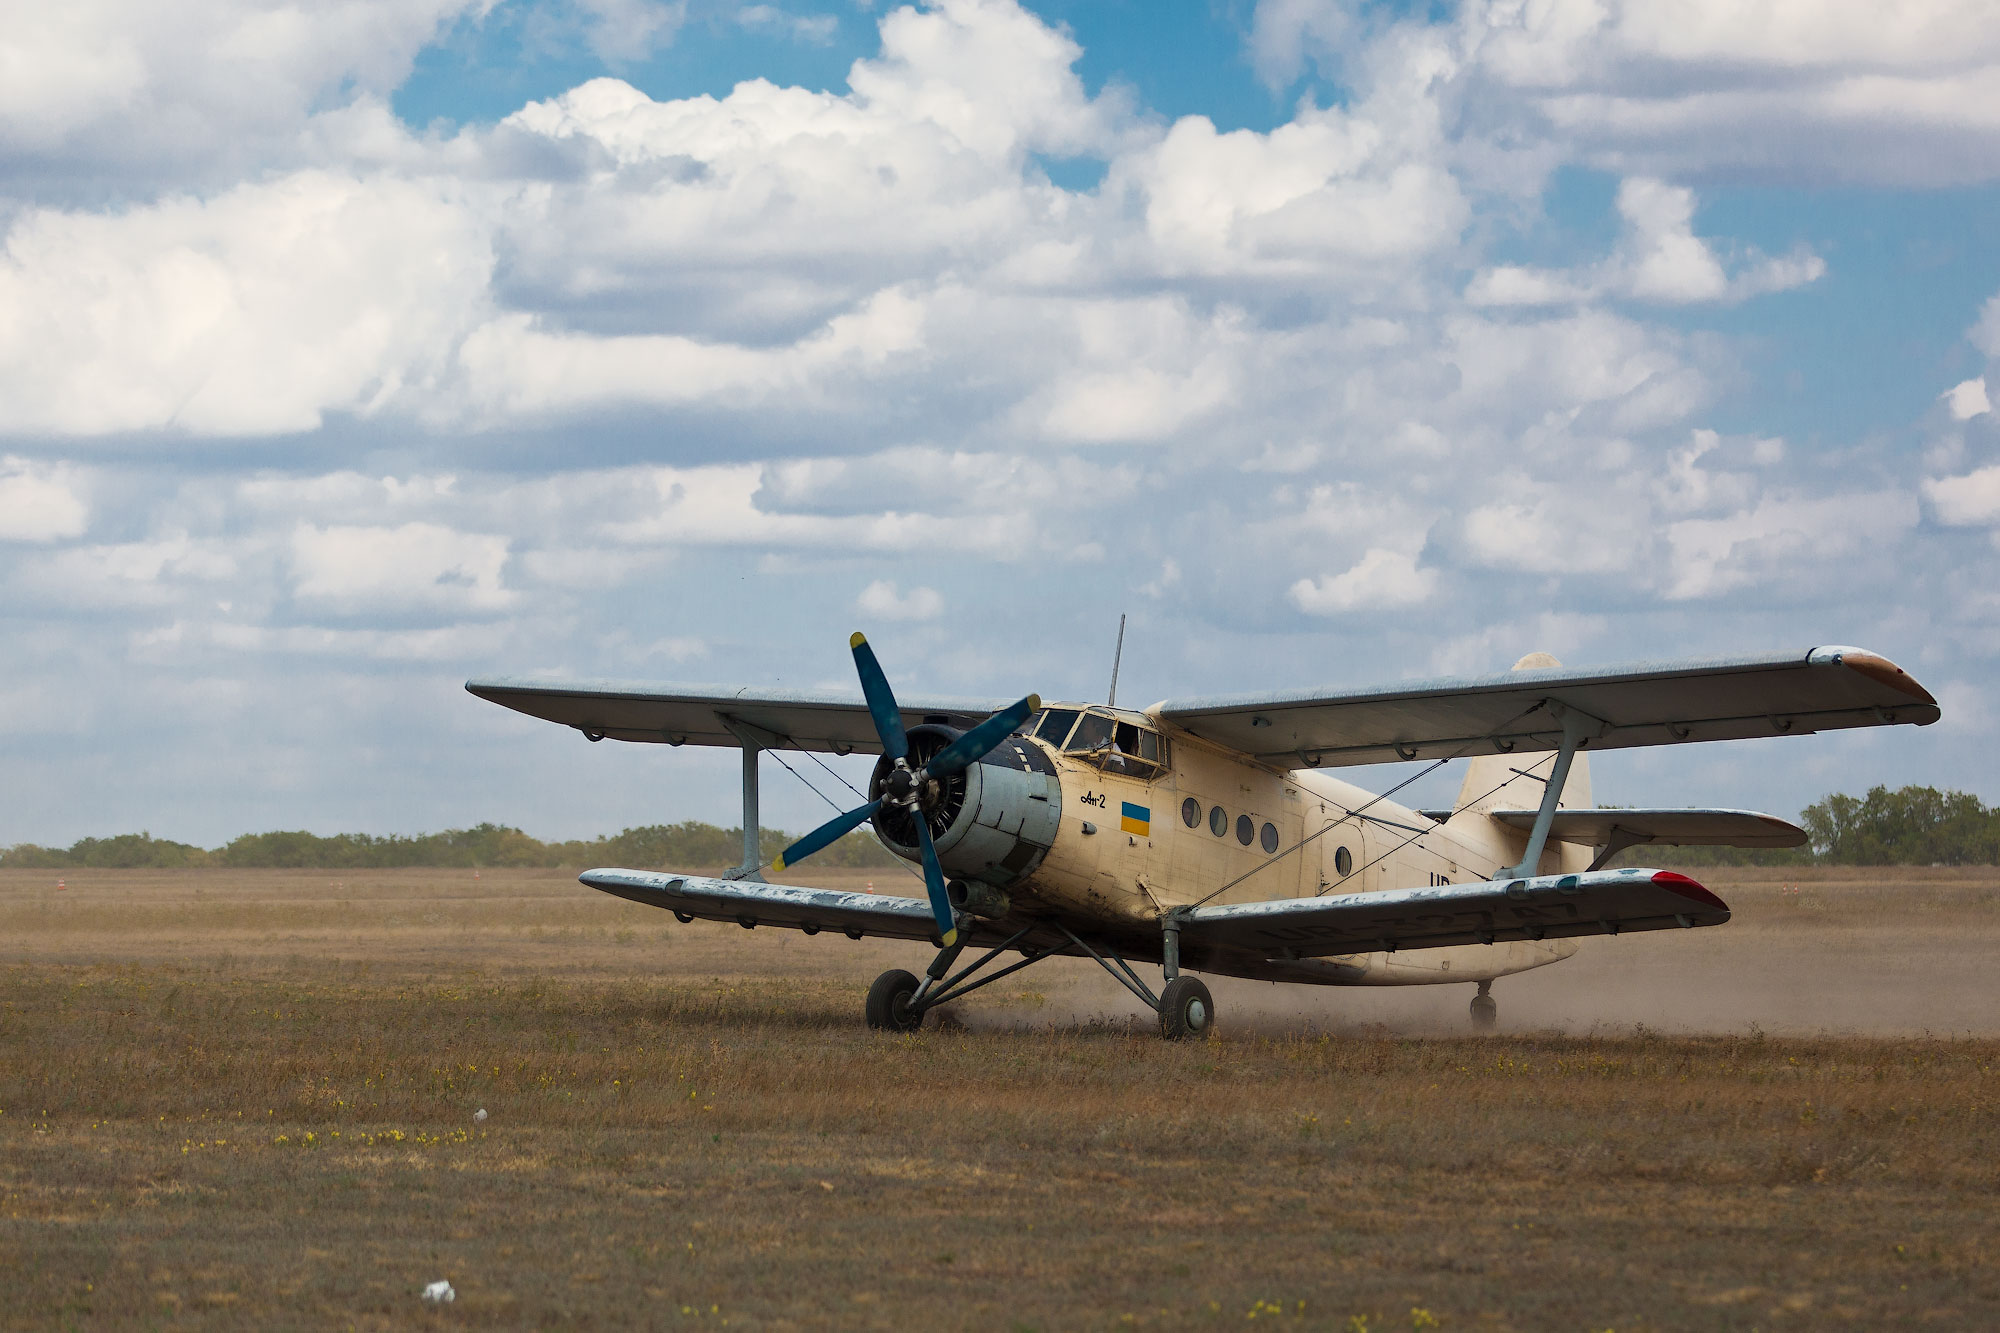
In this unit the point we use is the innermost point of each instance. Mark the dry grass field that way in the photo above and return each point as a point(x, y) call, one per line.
point(248, 1098)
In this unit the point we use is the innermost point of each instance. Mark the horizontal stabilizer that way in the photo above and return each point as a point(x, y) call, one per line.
point(1682, 828)
point(1521, 712)
point(1606, 902)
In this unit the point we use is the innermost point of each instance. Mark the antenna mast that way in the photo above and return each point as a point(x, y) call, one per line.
point(1116, 658)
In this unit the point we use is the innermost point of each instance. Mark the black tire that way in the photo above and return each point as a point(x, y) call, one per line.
point(1187, 1012)
point(1485, 1013)
point(889, 1003)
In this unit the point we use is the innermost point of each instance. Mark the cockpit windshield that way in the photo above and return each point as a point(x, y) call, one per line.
point(1055, 725)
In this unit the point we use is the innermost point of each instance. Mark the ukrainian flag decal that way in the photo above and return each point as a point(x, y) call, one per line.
point(1136, 819)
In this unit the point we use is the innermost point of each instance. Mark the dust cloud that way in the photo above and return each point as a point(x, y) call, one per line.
point(1890, 952)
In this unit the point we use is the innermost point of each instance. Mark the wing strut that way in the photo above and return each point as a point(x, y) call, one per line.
point(754, 740)
point(1579, 728)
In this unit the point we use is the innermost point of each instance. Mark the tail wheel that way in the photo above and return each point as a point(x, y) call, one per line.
point(889, 1003)
point(1485, 1013)
point(1187, 1013)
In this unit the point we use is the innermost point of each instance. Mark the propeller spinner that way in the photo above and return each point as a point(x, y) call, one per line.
point(903, 787)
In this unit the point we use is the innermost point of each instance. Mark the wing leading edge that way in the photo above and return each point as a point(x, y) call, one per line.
point(1605, 902)
point(1666, 703)
point(753, 903)
point(827, 721)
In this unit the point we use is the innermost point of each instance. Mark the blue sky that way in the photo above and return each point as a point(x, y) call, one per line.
point(349, 350)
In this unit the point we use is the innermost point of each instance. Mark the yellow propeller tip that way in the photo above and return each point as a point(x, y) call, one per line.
point(857, 639)
point(1034, 703)
point(950, 939)
point(778, 865)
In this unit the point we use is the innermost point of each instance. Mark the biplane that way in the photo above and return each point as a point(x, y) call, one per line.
point(1203, 835)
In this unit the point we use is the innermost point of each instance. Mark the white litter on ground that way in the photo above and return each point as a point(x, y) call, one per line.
point(440, 1293)
point(479, 1115)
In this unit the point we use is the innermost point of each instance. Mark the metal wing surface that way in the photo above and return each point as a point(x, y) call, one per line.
point(856, 915)
point(1662, 703)
point(1685, 828)
point(699, 714)
point(811, 910)
point(1605, 902)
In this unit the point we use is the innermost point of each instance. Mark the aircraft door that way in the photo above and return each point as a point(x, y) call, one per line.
point(1125, 800)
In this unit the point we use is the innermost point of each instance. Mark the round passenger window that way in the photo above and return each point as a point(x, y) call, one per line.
point(1218, 823)
point(1343, 863)
point(1246, 829)
point(1191, 812)
point(1270, 837)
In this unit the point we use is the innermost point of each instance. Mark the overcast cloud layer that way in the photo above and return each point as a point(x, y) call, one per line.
point(306, 414)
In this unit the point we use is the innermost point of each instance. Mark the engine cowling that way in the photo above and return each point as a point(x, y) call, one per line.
point(993, 821)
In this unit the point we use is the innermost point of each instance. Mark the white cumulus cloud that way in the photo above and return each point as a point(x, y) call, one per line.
point(1382, 578)
point(1967, 400)
point(881, 598)
point(40, 502)
point(423, 565)
point(256, 312)
point(1969, 499)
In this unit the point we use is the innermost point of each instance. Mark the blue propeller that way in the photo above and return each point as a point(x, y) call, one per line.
point(904, 784)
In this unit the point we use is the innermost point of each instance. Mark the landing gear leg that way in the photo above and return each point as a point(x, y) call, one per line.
point(897, 1002)
point(1187, 1013)
point(1485, 1013)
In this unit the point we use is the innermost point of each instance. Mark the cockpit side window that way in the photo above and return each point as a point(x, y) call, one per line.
point(1091, 733)
point(1118, 746)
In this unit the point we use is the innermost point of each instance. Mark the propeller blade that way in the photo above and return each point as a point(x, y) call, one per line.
point(947, 924)
point(825, 835)
point(968, 748)
point(881, 699)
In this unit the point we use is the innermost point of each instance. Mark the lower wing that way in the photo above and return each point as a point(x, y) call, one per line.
point(753, 903)
point(1604, 902)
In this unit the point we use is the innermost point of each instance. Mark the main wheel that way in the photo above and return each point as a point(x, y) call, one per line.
point(1485, 1013)
point(889, 1002)
point(1186, 1011)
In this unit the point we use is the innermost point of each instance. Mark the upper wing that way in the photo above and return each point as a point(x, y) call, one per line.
point(1649, 704)
point(1601, 902)
point(699, 714)
point(1686, 828)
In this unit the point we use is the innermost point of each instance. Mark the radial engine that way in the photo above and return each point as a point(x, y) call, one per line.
point(992, 822)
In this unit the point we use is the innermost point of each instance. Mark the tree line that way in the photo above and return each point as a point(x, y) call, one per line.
point(1908, 826)
point(690, 845)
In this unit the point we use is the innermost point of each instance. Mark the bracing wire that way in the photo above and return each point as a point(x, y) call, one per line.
point(1383, 856)
point(900, 864)
point(1361, 809)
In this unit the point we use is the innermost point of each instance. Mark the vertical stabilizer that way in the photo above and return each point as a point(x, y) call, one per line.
point(1517, 781)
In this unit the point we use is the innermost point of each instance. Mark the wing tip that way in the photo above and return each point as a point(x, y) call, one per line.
point(1687, 887)
point(1878, 669)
